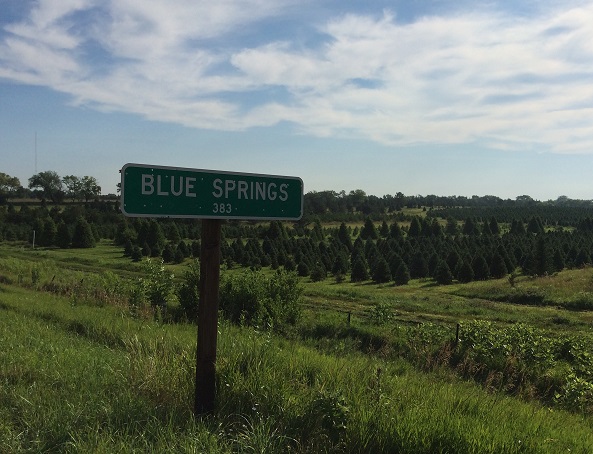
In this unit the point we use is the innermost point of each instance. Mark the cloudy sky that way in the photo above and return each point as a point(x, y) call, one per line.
point(418, 96)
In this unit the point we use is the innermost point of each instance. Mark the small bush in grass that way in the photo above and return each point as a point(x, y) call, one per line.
point(381, 313)
point(253, 298)
point(156, 288)
point(188, 292)
point(326, 417)
point(576, 395)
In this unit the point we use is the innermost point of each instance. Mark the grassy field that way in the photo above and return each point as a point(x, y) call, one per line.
point(79, 372)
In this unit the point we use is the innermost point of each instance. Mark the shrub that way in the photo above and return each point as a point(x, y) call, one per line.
point(188, 292)
point(252, 298)
point(318, 273)
point(158, 284)
point(83, 235)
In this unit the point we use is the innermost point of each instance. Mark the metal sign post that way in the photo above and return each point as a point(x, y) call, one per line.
point(172, 192)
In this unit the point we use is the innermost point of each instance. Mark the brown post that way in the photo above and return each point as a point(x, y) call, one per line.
point(208, 317)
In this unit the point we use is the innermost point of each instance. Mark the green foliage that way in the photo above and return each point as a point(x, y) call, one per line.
point(64, 237)
point(402, 275)
point(83, 235)
point(381, 271)
point(157, 284)
point(576, 395)
point(188, 293)
point(521, 358)
point(35, 276)
point(443, 274)
point(318, 273)
point(381, 313)
point(369, 231)
point(251, 297)
point(360, 271)
point(326, 415)
point(66, 388)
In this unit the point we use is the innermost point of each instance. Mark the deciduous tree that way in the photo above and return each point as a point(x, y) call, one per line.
point(49, 184)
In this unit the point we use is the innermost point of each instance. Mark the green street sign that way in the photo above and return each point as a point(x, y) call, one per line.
point(159, 191)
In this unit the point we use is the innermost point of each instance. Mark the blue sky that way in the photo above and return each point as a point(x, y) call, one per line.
point(420, 97)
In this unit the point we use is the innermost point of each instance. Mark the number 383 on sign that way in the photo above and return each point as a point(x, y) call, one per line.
point(222, 208)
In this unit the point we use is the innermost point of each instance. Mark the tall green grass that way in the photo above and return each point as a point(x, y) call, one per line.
point(91, 379)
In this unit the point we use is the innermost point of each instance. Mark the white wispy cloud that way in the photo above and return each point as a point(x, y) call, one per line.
point(514, 82)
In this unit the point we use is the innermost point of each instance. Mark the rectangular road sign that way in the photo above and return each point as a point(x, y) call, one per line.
point(159, 191)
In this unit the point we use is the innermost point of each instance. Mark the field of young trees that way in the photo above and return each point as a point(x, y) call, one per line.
point(394, 324)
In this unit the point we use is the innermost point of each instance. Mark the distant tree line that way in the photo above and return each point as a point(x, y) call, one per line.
point(49, 186)
point(357, 205)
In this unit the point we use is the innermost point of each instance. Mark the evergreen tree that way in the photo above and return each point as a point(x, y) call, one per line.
point(395, 231)
point(146, 252)
point(402, 274)
point(128, 248)
point(360, 270)
point(535, 225)
point(340, 265)
point(179, 257)
point(498, 266)
point(494, 227)
point(303, 269)
point(481, 268)
point(274, 263)
point(394, 261)
point(275, 231)
point(195, 249)
point(542, 256)
point(433, 261)
point(83, 235)
point(558, 260)
point(582, 258)
point(469, 227)
point(517, 227)
point(173, 233)
point(453, 259)
point(155, 238)
point(47, 236)
point(442, 274)
point(168, 253)
point(63, 236)
point(317, 232)
point(182, 246)
point(509, 260)
point(136, 254)
point(384, 230)
point(357, 249)
point(436, 229)
point(451, 228)
point(418, 266)
point(381, 271)
point(415, 227)
point(344, 236)
point(318, 273)
point(465, 272)
point(486, 229)
point(290, 264)
point(371, 253)
point(369, 231)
